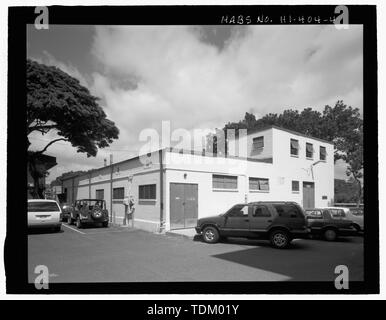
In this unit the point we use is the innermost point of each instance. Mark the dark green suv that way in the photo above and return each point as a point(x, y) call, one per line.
point(279, 222)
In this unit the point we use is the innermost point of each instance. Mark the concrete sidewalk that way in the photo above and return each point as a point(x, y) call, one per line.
point(189, 233)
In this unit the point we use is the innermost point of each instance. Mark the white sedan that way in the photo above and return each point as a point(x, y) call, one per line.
point(44, 213)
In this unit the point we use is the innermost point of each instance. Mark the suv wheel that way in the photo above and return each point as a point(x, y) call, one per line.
point(330, 235)
point(105, 224)
point(279, 239)
point(210, 234)
point(78, 223)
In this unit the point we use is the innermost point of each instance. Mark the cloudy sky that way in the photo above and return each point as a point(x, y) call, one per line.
point(197, 76)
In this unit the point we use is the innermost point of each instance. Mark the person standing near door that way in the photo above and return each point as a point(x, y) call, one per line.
point(126, 203)
point(131, 210)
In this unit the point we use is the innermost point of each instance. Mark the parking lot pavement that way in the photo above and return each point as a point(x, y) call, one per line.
point(118, 254)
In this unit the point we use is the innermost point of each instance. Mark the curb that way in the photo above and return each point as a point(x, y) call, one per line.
point(179, 235)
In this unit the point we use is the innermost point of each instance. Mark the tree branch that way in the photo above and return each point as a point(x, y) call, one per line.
point(53, 141)
point(43, 129)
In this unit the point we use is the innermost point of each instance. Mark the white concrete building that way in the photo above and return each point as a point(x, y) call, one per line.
point(173, 188)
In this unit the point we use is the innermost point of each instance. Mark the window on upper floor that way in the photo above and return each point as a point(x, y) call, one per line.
point(294, 147)
point(258, 143)
point(259, 184)
point(309, 150)
point(322, 153)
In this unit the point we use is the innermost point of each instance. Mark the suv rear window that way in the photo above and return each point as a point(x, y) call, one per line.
point(337, 213)
point(314, 213)
point(42, 206)
point(287, 210)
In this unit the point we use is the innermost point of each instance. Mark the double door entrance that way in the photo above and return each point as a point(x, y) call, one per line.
point(183, 205)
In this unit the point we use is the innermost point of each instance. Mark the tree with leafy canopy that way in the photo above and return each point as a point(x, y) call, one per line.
point(57, 102)
point(340, 124)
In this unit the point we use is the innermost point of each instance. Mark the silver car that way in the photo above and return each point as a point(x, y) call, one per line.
point(43, 213)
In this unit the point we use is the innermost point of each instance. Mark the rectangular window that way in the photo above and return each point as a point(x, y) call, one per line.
point(42, 206)
point(224, 182)
point(294, 147)
point(309, 150)
point(322, 152)
point(100, 194)
point(258, 184)
point(258, 143)
point(295, 186)
point(119, 193)
point(238, 211)
point(147, 192)
point(287, 210)
point(260, 211)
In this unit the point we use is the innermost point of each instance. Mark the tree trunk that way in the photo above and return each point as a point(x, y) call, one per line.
point(359, 195)
point(37, 192)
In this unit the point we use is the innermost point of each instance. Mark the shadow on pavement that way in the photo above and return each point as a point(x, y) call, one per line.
point(305, 260)
point(43, 231)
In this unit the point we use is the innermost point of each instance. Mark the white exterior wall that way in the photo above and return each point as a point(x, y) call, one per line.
point(147, 213)
point(198, 169)
point(264, 153)
point(290, 168)
point(195, 169)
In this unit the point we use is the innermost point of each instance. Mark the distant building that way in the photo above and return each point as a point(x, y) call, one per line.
point(173, 188)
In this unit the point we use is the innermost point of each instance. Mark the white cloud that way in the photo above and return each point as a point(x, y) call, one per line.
point(195, 85)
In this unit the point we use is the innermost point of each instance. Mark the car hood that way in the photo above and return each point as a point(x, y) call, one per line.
point(212, 219)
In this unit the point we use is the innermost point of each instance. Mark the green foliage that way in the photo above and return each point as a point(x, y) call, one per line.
point(57, 101)
point(345, 192)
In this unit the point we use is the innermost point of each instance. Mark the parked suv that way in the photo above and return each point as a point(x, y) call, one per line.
point(330, 222)
point(89, 211)
point(280, 222)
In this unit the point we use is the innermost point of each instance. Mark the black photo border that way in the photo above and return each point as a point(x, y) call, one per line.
point(16, 243)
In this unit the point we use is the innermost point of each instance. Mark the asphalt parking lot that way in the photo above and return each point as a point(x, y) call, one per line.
point(120, 254)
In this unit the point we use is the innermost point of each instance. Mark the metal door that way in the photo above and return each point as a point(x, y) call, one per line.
point(308, 195)
point(183, 205)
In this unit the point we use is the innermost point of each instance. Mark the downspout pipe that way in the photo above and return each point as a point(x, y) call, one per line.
point(112, 219)
point(89, 185)
point(161, 179)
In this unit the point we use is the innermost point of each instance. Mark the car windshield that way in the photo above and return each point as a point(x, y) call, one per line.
point(42, 206)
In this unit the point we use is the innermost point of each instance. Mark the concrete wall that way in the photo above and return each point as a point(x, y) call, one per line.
point(129, 175)
point(188, 168)
point(197, 169)
point(290, 168)
point(252, 152)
